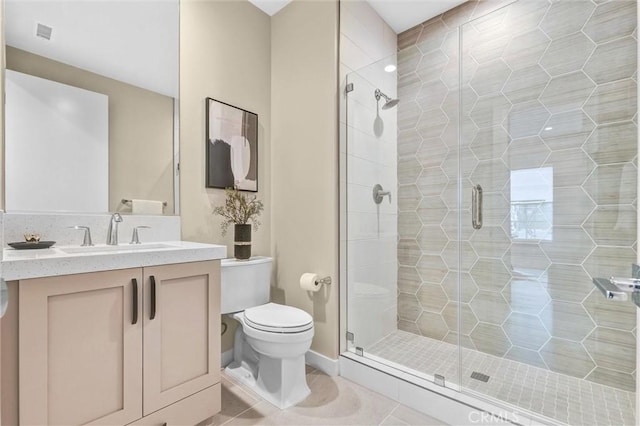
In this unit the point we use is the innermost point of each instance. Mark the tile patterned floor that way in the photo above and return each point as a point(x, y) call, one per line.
point(567, 399)
point(333, 401)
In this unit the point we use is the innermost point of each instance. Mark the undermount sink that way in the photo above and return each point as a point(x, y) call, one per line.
point(120, 248)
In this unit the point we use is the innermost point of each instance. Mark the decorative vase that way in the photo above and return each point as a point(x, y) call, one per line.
point(242, 241)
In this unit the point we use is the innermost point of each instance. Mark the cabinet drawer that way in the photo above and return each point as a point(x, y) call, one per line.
point(189, 411)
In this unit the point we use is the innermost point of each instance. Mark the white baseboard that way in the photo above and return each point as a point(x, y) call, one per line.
point(329, 366)
point(226, 358)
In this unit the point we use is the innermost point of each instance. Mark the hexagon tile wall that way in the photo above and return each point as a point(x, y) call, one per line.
point(549, 124)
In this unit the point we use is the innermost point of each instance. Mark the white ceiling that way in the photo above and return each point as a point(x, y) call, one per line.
point(128, 40)
point(270, 7)
point(399, 14)
point(404, 14)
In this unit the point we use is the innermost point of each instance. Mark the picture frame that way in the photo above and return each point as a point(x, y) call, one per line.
point(231, 138)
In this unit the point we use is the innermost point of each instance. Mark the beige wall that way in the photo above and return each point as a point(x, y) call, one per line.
point(140, 129)
point(225, 53)
point(283, 68)
point(305, 160)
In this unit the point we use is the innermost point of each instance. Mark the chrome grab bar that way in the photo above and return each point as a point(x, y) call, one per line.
point(476, 207)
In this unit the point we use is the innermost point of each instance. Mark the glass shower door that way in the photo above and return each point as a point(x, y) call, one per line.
point(371, 206)
point(402, 214)
point(550, 140)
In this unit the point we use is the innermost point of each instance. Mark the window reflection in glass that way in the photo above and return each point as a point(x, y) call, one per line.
point(532, 204)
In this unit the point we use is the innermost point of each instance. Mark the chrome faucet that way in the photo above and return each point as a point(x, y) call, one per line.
point(134, 237)
point(87, 235)
point(112, 233)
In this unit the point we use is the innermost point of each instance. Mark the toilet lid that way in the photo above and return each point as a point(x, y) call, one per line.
point(276, 318)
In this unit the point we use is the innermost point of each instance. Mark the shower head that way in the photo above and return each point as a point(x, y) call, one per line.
point(388, 102)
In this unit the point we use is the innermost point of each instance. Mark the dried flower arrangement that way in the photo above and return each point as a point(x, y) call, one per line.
point(239, 209)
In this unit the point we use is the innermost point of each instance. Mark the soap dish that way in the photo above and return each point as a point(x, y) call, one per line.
point(31, 245)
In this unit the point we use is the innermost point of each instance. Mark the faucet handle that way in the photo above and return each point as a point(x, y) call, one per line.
point(87, 235)
point(134, 236)
point(379, 193)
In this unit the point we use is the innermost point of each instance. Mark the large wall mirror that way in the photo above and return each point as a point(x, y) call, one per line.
point(91, 118)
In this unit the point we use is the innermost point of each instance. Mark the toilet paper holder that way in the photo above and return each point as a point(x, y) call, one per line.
point(324, 281)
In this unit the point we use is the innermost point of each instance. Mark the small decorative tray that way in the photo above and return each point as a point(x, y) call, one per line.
point(32, 245)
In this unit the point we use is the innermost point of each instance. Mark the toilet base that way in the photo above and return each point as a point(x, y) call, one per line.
point(283, 382)
point(280, 381)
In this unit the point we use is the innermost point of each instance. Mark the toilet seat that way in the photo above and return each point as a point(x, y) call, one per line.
point(275, 318)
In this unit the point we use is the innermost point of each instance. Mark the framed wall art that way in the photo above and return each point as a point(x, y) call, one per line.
point(232, 147)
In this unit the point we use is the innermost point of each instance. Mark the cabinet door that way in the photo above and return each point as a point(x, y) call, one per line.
point(181, 331)
point(80, 349)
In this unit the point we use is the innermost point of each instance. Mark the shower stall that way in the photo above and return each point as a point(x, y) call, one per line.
point(491, 175)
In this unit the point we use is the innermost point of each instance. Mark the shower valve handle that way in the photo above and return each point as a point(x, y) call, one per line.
point(379, 193)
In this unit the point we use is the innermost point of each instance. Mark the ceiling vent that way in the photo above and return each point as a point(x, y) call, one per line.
point(44, 31)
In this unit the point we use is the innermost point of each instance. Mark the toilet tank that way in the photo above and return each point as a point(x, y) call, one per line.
point(244, 283)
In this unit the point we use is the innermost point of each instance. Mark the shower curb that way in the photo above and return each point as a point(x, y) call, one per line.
point(447, 405)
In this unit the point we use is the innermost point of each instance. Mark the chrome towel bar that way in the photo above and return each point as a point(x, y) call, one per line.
point(125, 201)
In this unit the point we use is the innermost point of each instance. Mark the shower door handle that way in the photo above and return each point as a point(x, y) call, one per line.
point(476, 207)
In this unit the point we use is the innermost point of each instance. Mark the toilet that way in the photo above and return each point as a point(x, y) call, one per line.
point(272, 339)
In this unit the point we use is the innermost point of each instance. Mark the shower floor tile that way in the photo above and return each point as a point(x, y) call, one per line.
point(564, 398)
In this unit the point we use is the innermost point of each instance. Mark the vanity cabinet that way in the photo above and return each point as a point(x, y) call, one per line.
point(117, 347)
point(181, 343)
point(80, 349)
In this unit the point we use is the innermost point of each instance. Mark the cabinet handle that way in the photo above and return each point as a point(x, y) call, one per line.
point(134, 285)
point(153, 297)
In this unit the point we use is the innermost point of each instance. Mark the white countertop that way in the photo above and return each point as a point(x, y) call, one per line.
point(24, 264)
